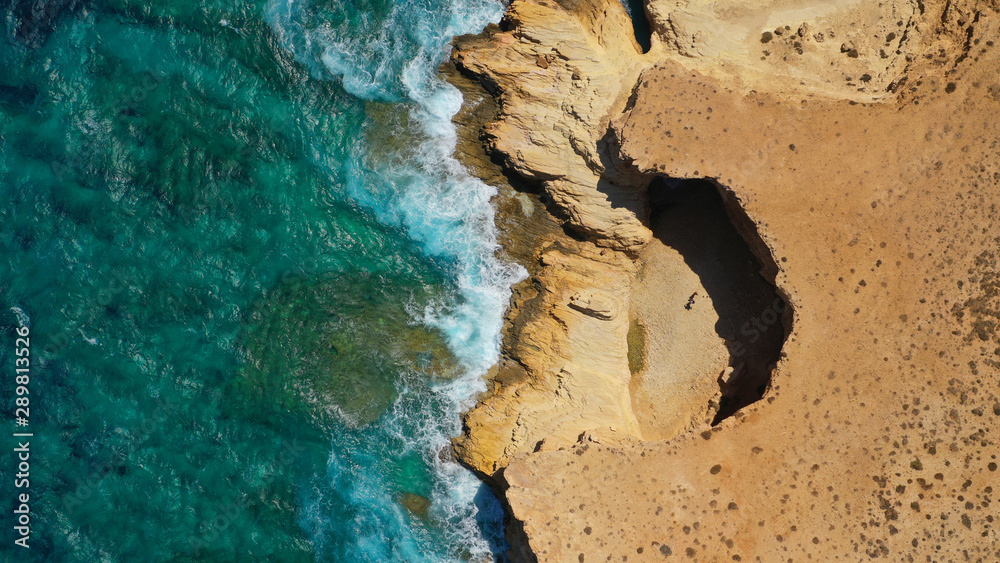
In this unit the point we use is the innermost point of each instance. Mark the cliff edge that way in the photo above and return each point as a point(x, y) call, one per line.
point(827, 390)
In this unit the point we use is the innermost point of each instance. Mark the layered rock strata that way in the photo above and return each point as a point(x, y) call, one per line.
point(558, 70)
point(857, 147)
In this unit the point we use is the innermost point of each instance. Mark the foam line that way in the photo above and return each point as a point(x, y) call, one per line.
point(440, 205)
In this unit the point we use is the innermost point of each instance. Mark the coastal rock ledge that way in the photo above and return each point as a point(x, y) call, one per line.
point(767, 330)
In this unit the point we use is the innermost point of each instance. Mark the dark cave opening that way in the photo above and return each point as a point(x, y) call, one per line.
point(706, 225)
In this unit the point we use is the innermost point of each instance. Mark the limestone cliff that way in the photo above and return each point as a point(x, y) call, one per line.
point(559, 70)
point(550, 389)
point(855, 147)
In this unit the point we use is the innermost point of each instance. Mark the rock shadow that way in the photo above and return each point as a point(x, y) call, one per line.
point(691, 217)
point(640, 23)
point(490, 518)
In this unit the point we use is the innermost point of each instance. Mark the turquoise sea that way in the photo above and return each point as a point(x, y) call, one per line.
point(259, 287)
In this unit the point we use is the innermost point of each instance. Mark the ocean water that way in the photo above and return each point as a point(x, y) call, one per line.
point(260, 289)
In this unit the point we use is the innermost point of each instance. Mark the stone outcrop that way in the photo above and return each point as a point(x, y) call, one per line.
point(559, 69)
point(857, 143)
point(549, 389)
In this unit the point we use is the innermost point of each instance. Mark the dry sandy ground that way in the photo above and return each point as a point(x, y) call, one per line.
point(878, 436)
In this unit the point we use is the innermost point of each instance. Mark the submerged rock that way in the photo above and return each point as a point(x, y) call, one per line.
point(35, 19)
point(415, 504)
point(338, 345)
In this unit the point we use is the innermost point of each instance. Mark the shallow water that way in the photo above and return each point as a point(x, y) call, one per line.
point(260, 289)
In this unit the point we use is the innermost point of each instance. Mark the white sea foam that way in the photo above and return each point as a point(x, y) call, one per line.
point(22, 317)
point(440, 205)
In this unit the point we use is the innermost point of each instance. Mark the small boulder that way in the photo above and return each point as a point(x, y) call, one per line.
point(594, 305)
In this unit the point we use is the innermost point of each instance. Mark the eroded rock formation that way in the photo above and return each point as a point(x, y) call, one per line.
point(859, 152)
point(550, 389)
point(559, 70)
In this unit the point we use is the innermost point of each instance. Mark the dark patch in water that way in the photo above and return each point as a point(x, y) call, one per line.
point(18, 96)
point(340, 340)
point(37, 18)
point(489, 520)
point(640, 23)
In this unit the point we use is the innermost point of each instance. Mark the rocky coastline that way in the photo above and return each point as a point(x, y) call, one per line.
point(760, 321)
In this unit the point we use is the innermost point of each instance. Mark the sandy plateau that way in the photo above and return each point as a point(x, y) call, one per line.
point(761, 322)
